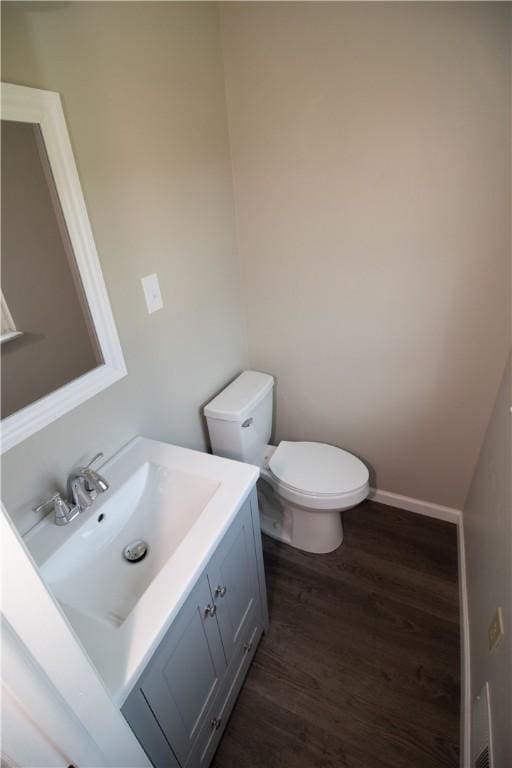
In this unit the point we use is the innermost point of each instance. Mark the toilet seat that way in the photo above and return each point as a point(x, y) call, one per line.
point(317, 475)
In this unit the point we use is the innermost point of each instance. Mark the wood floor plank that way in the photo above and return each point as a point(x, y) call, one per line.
point(360, 667)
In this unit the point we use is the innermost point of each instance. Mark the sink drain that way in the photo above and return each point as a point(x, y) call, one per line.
point(135, 551)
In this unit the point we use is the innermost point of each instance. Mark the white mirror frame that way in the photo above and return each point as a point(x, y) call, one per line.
point(30, 105)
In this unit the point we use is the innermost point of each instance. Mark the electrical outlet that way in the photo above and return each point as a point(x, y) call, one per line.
point(496, 630)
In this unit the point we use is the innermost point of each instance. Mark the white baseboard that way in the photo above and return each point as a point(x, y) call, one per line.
point(428, 508)
point(465, 667)
point(450, 515)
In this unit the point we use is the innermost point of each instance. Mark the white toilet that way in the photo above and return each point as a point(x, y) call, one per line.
point(303, 486)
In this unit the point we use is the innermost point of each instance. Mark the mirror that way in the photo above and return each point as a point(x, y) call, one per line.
point(58, 341)
point(48, 338)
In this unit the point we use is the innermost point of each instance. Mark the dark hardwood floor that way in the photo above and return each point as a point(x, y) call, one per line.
point(360, 667)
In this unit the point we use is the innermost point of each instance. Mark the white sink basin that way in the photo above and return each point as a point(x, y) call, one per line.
point(180, 503)
point(156, 504)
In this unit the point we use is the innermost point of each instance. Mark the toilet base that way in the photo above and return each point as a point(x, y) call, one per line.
point(319, 532)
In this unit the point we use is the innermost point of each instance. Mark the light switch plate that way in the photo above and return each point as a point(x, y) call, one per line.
point(496, 630)
point(152, 293)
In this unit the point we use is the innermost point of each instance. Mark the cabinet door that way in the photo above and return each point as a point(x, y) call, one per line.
point(145, 727)
point(233, 580)
point(182, 679)
point(213, 729)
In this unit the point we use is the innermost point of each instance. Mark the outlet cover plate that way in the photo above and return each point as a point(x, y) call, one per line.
point(152, 293)
point(496, 630)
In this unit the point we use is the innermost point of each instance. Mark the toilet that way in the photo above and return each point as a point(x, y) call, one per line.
point(303, 486)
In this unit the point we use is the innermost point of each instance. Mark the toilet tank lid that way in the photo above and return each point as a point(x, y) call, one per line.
point(237, 400)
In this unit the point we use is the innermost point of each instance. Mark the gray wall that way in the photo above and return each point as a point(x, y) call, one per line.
point(371, 146)
point(143, 95)
point(488, 538)
point(371, 161)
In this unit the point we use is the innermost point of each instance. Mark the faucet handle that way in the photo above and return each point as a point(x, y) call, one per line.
point(95, 483)
point(64, 511)
point(99, 455)
point(40, 507)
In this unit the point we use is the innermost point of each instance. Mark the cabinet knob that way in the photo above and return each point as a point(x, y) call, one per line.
point(210, 610)
point(247, 647)
point(216, 723)
point(220, 591)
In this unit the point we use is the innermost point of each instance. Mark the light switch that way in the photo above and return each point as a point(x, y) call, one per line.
point(152, 293)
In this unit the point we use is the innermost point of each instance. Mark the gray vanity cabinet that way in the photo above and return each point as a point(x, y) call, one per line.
point(180, 705)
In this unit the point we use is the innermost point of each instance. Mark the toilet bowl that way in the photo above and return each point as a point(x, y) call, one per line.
point(303, 486)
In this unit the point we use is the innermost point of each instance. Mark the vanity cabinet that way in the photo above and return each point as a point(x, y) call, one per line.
point(180, 704)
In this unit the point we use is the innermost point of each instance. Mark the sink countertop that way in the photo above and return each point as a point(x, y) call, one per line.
point(120, 653)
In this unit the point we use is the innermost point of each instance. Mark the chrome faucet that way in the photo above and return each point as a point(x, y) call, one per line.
point(84, 484)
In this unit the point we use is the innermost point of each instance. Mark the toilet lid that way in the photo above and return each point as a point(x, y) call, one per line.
point(317, 468)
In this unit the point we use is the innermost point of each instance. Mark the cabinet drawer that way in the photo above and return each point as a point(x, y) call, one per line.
point(212, 730)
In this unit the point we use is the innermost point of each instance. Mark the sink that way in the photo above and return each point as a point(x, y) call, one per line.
point(156, 504)
point(179, 502)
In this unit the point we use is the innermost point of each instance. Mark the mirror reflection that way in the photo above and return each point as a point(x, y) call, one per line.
point(47, 335)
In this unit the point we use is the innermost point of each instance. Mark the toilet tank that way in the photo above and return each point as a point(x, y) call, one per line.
point(240, 418)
